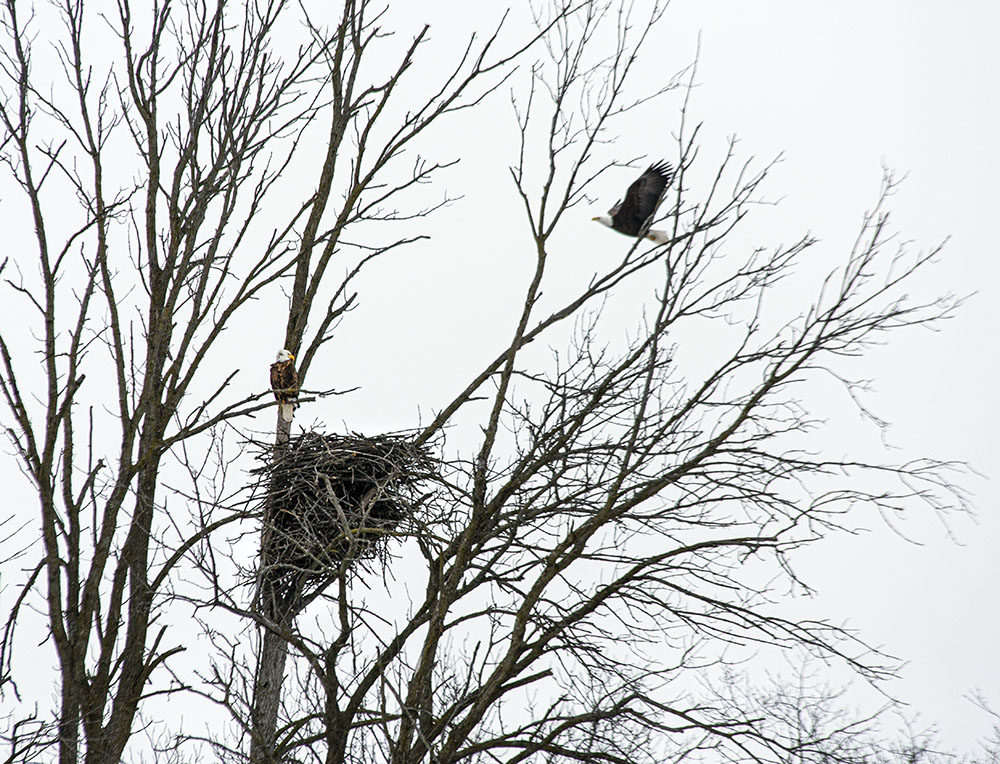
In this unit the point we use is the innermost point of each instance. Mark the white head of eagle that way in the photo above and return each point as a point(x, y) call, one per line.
point(634, 213)
point(285, 383)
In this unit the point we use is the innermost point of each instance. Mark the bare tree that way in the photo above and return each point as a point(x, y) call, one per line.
point(623, 512)
point(590, 553)
point(145, 174)
point(802, 718)
point(809, 719)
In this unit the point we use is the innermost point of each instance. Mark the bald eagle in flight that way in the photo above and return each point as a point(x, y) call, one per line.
point(285, 384)
point(636, 210)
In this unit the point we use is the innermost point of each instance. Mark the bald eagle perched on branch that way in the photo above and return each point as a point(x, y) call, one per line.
point(636, 210)
point(285, 384)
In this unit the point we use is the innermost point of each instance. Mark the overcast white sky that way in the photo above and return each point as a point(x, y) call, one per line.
point(839, 89)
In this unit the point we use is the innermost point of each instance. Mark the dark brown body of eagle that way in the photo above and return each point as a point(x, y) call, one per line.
point(285, 384)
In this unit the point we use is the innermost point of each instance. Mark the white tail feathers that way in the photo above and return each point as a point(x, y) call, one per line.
point(659, 237)
point(287, 411)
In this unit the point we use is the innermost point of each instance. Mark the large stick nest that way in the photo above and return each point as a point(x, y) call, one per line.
point(330, 500)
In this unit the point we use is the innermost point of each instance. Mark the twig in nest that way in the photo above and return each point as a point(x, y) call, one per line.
point(328, 501)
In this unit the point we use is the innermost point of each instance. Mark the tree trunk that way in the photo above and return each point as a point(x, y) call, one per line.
point(273, 647)
point(267, 694)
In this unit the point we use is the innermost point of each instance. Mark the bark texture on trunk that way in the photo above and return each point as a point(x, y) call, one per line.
point(273, 648)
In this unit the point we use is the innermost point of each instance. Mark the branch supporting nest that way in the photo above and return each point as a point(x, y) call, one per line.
point(329, 501)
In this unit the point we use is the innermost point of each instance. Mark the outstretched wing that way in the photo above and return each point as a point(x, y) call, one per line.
point(642, 198)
